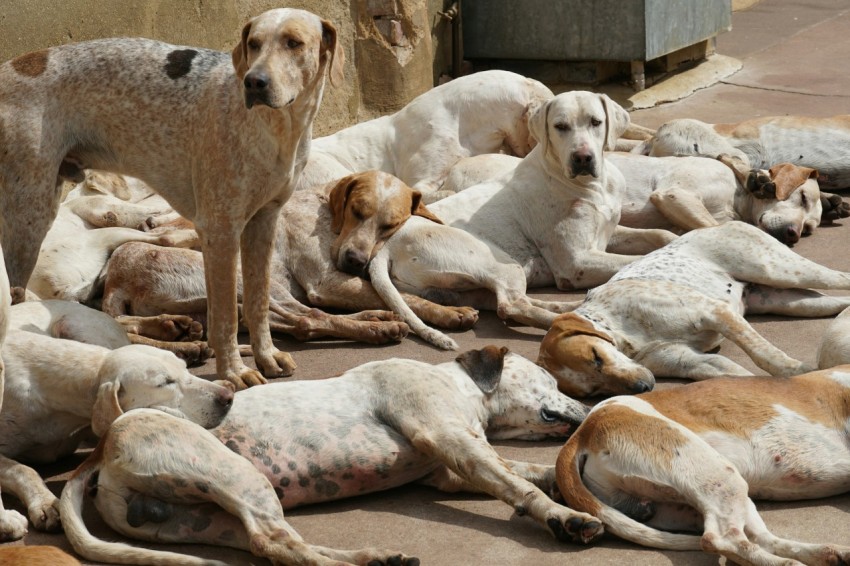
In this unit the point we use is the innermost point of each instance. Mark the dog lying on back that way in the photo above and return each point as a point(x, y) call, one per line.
point(380, 425)
point(689, 459)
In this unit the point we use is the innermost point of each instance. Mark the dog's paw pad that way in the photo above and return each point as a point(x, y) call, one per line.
point(45, 517)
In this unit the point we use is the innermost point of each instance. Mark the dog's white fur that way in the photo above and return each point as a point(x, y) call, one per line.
point(834, 348)
point(479, 113)
point(414, 420)
point(819, 143)
point(55, 389)
point(661, 314)
point(237, 137)
point(701, 451)
point(557, 215)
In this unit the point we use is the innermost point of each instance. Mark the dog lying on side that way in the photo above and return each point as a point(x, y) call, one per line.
point(322, 233)
point(690, 458)
point(480, 113)
point(658, 316)
point(55, 389)
point(379, 425)
point(819, 143)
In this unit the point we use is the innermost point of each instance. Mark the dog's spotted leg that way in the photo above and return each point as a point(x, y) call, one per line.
point(28, 486)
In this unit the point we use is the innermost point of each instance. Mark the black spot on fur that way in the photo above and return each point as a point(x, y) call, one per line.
point(179, 63)
point(203, 487)
point(233, 446)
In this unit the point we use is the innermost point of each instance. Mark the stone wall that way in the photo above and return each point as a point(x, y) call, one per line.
point(395, 49)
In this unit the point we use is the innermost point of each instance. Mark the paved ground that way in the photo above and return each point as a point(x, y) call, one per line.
point(795, 57)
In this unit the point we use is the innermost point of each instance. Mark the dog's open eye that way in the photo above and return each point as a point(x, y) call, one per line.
point(254, 44)
point(294, 43)
point(595, 122)
point(597, 359)
point(357, 214)
point(562, 127)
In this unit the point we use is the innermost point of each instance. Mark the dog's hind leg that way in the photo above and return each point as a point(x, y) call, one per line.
point(762, 299)
point(681, 360)
point(28, 486)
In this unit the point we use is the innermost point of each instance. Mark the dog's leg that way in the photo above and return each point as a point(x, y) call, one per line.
point(680, 360)
point(543, 476)
point(313, 323)
point(638, 241)
point(166, 327)
point(220, 250)
point(762, 299)
point(28, 486)
point(257, 248)
point(683, 208)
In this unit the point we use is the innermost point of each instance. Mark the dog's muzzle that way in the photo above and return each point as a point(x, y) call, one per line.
point(256, 89)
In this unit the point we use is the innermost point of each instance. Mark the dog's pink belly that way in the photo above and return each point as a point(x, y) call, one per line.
point(330, 460)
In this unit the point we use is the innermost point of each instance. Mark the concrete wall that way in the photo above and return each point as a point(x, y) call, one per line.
point(394, 49)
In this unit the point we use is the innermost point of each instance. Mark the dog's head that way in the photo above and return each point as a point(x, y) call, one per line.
point(522, 398)
point(686, 136)
point(284, 52)
point(786, 201)
point(137, 376)
point(574, 128)
point(367, 208)
point(585, 361)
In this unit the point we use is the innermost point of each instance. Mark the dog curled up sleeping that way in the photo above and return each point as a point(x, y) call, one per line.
point(222, 137)
point(325, 238)
point(688, 459)
point(380, 425)
point(660, 315)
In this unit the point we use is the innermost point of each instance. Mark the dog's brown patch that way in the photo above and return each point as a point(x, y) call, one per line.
point(31, 64)
point(179, 63)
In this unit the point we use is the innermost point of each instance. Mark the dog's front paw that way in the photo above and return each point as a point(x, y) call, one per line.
point(572, 526)
point(397, 559)
point(834, 208)
point(383, 332)
point(464, 318)
point(278, 364)
point(13, 525)
point(45, 516)
point(193, 353)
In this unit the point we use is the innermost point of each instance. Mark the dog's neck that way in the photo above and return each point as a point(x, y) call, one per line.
point(474, 396)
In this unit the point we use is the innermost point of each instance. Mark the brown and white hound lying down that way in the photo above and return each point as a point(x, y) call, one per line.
point(690, 458)
point(380, 425)
point(322, 234)
point(660, 315)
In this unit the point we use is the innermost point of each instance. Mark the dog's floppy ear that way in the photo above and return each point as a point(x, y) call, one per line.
point(570, 324)
point(338, 198)
point(333, 47)
point(538, 123)
point(106, 407)
point(239, 56)
point(484, 366)
point(787, 177)
point(418, 208)
point(616, 121)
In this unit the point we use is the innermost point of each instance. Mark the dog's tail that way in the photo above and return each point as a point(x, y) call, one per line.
point(92, 548)
point(579, 497)
point(379, 273)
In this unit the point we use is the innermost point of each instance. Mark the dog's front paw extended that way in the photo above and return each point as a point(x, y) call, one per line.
point(13, 525)
point(193, 353)
point(571, 526)
point(461, 318)
point(45, 516)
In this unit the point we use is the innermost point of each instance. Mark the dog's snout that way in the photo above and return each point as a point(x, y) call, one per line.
point(582, 162)
point(354, 261)
point(256, 81)
point(225, 398)
point(642, 386)
point(582, 157)
point(792, 235)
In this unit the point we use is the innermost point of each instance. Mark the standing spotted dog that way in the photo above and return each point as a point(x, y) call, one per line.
point(222, 138)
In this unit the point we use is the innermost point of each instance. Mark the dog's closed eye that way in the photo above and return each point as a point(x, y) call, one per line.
point(597, 359)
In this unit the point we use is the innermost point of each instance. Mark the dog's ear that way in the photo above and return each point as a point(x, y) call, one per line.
point(538, 123)
point(571, 324)
point(787, 177)
point(239, 56)
point(106, 407)
point(331, 46)
point(484, 366)
point(616, 121)
point(338, 198)
point(418, 208)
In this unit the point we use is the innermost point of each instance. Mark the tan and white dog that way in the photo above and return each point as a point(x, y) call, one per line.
point(690, 458)
point(819, 143)
point(378, 426)
point(660, 315)
point(479, 113)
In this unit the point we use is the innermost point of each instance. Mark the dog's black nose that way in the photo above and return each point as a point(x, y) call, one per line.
point(642, 387)
point(256, 81)
point(354, 261)
point(225, 399)
point(582, 158)
point(792, 236)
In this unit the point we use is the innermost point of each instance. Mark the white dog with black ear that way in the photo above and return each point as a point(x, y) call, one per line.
point(557, 213)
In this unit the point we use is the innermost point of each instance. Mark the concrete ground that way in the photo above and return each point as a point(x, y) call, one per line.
point(795, 56)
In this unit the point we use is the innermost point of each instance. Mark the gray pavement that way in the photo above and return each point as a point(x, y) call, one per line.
point(795, 57)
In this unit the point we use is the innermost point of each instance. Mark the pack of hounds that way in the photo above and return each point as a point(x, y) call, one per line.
point(201, 205)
